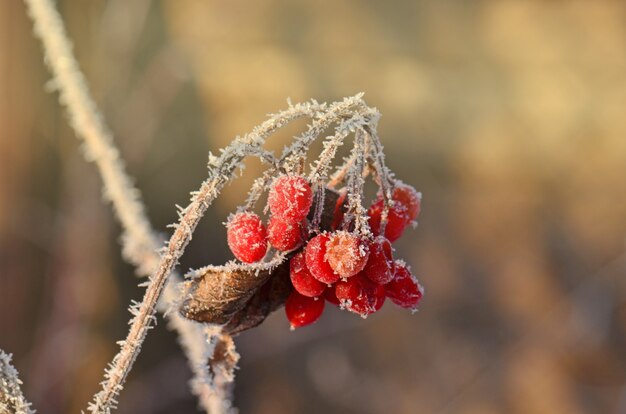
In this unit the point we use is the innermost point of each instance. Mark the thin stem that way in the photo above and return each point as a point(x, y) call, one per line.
point(382, 172)
point(11, 397)
point(356, 182)
point(140, 242)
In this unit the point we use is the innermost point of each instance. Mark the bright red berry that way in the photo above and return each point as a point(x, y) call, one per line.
point(301, 278)
point(285, 235)
point(346, 253)
point(409, 198)
point(290, 198)
point(404, 290)
point(302, 310)
point(247, 237)
point(397, 219)
point(315, 254)
point(379, 267)
point(354, 297)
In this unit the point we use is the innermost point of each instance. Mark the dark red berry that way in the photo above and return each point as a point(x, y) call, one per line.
point(397, 219)
point(330, 296)
point(285, 235)
point(315, 253)
point(290, 198)
point(375, 293)
point(247, 237)
point(353, 296)
point(301, 278)
point(346, 253)
point(379, 267)
point(302, 310)
point(409, 198)
point(404, 290)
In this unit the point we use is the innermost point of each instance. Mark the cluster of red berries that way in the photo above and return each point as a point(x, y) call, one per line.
point(342, 267)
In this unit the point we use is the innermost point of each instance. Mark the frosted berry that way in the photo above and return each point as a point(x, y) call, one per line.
point(315, 254)
point(379, 267)
point(353, 296)
point(397, 219)
point(346, 253)
point(285, 235)
point(290, 198)
point(409, 198)
point(247, 237)
point(375, 293)
point(301, 278)
point(302, 310)
point(330, 296)
point(404, 290)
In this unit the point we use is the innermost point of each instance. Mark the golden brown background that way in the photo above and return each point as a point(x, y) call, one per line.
point(510, 117)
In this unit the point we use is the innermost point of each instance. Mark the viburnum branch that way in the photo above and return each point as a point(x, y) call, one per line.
point(222, 170)
point(140, 242)
point(341, 172)
point(12, 399)
point(385, 177)
point(356, 182)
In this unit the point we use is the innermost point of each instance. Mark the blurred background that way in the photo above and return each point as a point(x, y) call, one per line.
point(510, 117)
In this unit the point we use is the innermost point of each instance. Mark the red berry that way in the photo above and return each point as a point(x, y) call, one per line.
point(409, 198)
point(330, 296)
point(375, 293)
point(379, 267)
point(354, 297)
point(247, 237)
point(285, 235)
point(301, 278)
point(404, 290)
point(397, 219)
point(302, 310)
point(315, 253)
point(290, 198)
point(346, 253)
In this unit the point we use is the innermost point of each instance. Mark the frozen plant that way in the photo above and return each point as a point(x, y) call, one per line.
point(320, 243)
point(11, 398)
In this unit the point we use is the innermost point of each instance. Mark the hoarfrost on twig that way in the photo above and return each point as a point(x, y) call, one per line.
point(12, 399)
point(140, 242)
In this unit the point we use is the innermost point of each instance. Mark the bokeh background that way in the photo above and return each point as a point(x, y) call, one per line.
point(510, 117)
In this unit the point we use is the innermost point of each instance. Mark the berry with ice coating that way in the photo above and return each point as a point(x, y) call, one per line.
point(247, 237)
point(404, 290)
point(290, 198)
point(346, 253)
point(397, 219)
point(302, 310)
point(379, 267)
point(407, 196)
point(285, 235)
point(375, 293)
point(301, 278)
point(315, 254)
point(353, 296)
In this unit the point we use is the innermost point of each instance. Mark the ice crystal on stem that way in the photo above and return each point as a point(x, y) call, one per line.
point(12, 400)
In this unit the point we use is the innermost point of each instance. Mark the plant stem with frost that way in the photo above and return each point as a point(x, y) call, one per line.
point(140, 242)
point(12, 399)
